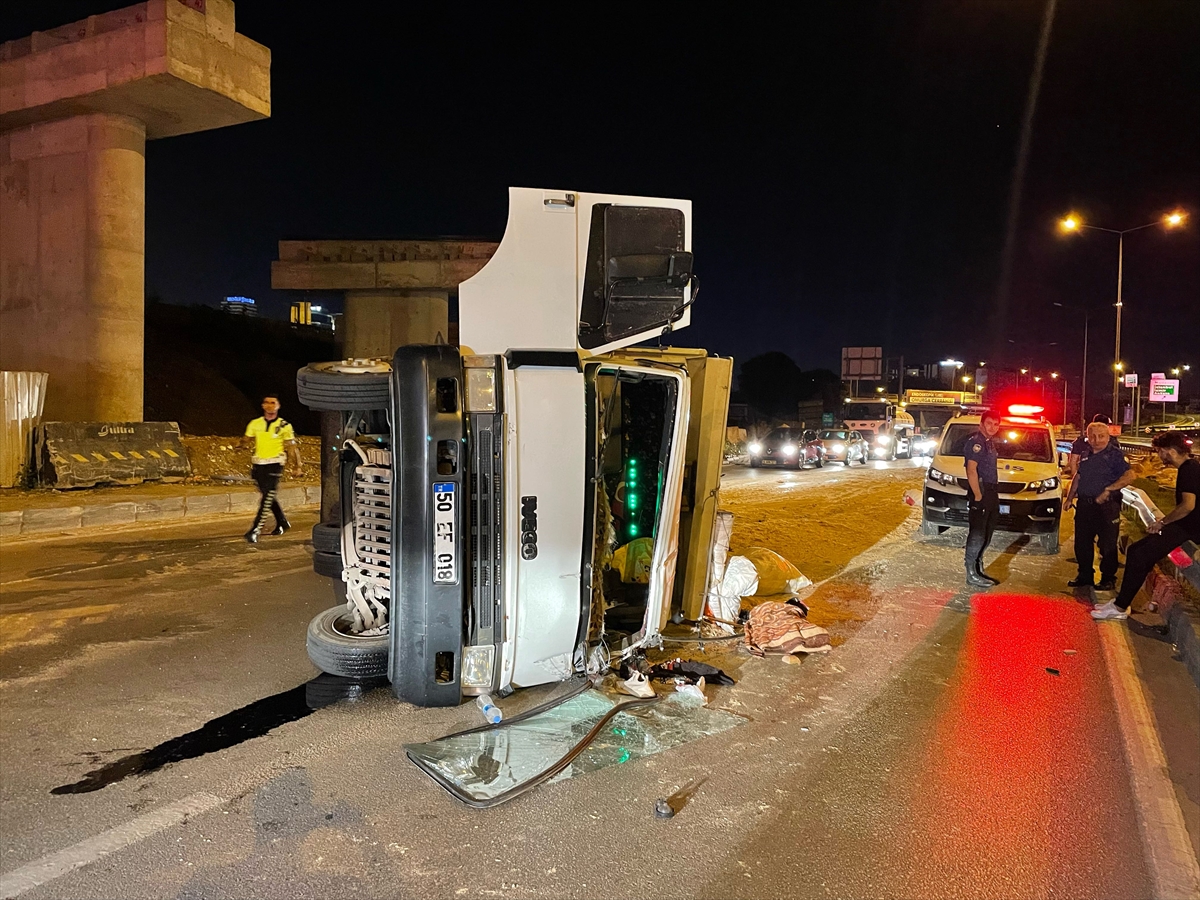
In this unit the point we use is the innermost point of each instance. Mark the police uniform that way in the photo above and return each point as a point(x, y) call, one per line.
point(270, 439)
point(981, 514)
point(1098, 523)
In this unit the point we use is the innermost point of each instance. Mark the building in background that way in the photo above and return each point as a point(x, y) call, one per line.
point(239, 306)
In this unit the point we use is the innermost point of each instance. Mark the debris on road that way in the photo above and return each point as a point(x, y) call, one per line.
point(689, 669)
point(1053, 671)
point(781, 628)
point(662, 809)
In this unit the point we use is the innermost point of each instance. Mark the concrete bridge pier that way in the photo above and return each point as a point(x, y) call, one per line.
point(77, 105)
point(376, 322)
point(73, 251)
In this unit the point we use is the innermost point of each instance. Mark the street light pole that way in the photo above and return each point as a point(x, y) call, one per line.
point(1072, 224)
point(1117, 349)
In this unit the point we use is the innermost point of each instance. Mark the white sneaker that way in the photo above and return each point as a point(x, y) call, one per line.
point(1109, 610)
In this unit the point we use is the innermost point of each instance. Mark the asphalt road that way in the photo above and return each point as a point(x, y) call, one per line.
point(935, 754)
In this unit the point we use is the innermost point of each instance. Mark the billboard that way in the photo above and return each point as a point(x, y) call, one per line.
point(862, 363)
point(1164, 390)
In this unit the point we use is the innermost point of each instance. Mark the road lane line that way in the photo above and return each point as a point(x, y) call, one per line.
point(1174, 870)
point(55, 865)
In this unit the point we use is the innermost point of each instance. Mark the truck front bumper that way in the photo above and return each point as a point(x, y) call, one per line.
point(1035, 516)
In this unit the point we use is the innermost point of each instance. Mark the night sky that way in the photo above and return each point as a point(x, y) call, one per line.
point(850, 163)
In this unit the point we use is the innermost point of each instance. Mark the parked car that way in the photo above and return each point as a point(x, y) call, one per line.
point(785, 448)
point(845, 446)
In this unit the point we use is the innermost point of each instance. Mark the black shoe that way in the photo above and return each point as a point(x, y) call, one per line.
point(986, 577)
point(1081, 583)
point(281, 527)
point(251, 536)
point(1108, 584)
point(976, 580)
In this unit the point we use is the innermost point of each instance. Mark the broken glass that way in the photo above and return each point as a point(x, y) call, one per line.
point(589, 730)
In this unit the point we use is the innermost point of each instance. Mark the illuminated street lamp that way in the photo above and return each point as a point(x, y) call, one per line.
point(1072, 224)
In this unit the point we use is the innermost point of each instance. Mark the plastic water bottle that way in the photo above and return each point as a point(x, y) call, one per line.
point(490, 711)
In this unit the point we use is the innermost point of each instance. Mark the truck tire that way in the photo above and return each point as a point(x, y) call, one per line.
point(327, 538)
point(328, 564)
point(335, 650)
point(352, 384)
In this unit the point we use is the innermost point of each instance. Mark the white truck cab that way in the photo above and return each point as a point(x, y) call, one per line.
point(1030, 483)
point(535, 501)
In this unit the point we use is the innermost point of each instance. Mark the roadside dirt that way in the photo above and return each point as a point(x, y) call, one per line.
point(222, 459)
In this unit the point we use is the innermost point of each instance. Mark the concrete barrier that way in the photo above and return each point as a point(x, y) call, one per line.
point(83, 454)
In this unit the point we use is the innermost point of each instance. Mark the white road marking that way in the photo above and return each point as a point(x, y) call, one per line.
point(55, 865)
point(1174, 871)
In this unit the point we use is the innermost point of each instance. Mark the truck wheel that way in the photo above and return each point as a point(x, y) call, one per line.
point(328, 564)
point(334, 649)
point(1049, 542)
point(327, 538)
point(352, 384)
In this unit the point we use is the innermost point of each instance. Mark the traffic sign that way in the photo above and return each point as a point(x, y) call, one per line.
point(1164, 390)
point(1131, 380)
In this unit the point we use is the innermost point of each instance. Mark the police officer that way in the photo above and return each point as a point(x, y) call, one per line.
point(1097, 491)
point(983, 499)
point(274, 443)
point(1079, 447)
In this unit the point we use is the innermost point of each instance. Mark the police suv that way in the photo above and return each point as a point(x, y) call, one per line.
point(1030, 483)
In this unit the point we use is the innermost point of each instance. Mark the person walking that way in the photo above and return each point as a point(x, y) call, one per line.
point(983, 499)
point(1096, 493)
point(1179, 525)
point(274, 444)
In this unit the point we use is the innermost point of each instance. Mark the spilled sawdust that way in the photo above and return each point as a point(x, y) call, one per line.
point(819, 528)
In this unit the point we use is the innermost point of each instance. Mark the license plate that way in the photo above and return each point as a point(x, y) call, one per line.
point(1005, 509)
point(445, 533)
point(768, 462)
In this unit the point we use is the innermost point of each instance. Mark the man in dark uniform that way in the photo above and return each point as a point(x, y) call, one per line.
point(1097, 492)
point(983, 500)
point(1079, 447)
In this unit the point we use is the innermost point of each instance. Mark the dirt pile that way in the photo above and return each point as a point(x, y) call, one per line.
point(221, 459)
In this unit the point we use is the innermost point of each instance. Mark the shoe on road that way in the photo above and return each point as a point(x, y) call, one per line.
point(1108, 584)
point(281, 527)
point(977, 580)
point(986, 577)
point(1109, 610)
point(251, 537)
point(1081, 583)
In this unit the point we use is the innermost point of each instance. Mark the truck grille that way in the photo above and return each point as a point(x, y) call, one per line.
point(373, 521)
point(487, 524)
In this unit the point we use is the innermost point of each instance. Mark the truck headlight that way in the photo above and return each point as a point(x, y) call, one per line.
point(755, 448)
point(883, 440)
point(481, 390)
point(478, 664)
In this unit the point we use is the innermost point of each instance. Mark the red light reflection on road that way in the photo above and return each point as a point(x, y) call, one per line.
point(1022, 779)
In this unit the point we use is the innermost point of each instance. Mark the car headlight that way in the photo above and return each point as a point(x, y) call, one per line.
point(755, 448)
point(789, 449)
point(883, 440)
point(941, 477)
point(1046, 484)
point(838, 448)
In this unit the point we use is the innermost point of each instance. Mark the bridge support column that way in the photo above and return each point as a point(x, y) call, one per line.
point(72, 247)
point(378, 321)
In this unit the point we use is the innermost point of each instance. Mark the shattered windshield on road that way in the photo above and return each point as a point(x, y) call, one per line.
point(589, 730)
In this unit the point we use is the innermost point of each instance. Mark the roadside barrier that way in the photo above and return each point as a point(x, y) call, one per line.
point(83, 454)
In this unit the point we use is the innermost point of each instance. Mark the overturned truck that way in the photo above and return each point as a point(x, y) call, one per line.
point(540, 500)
